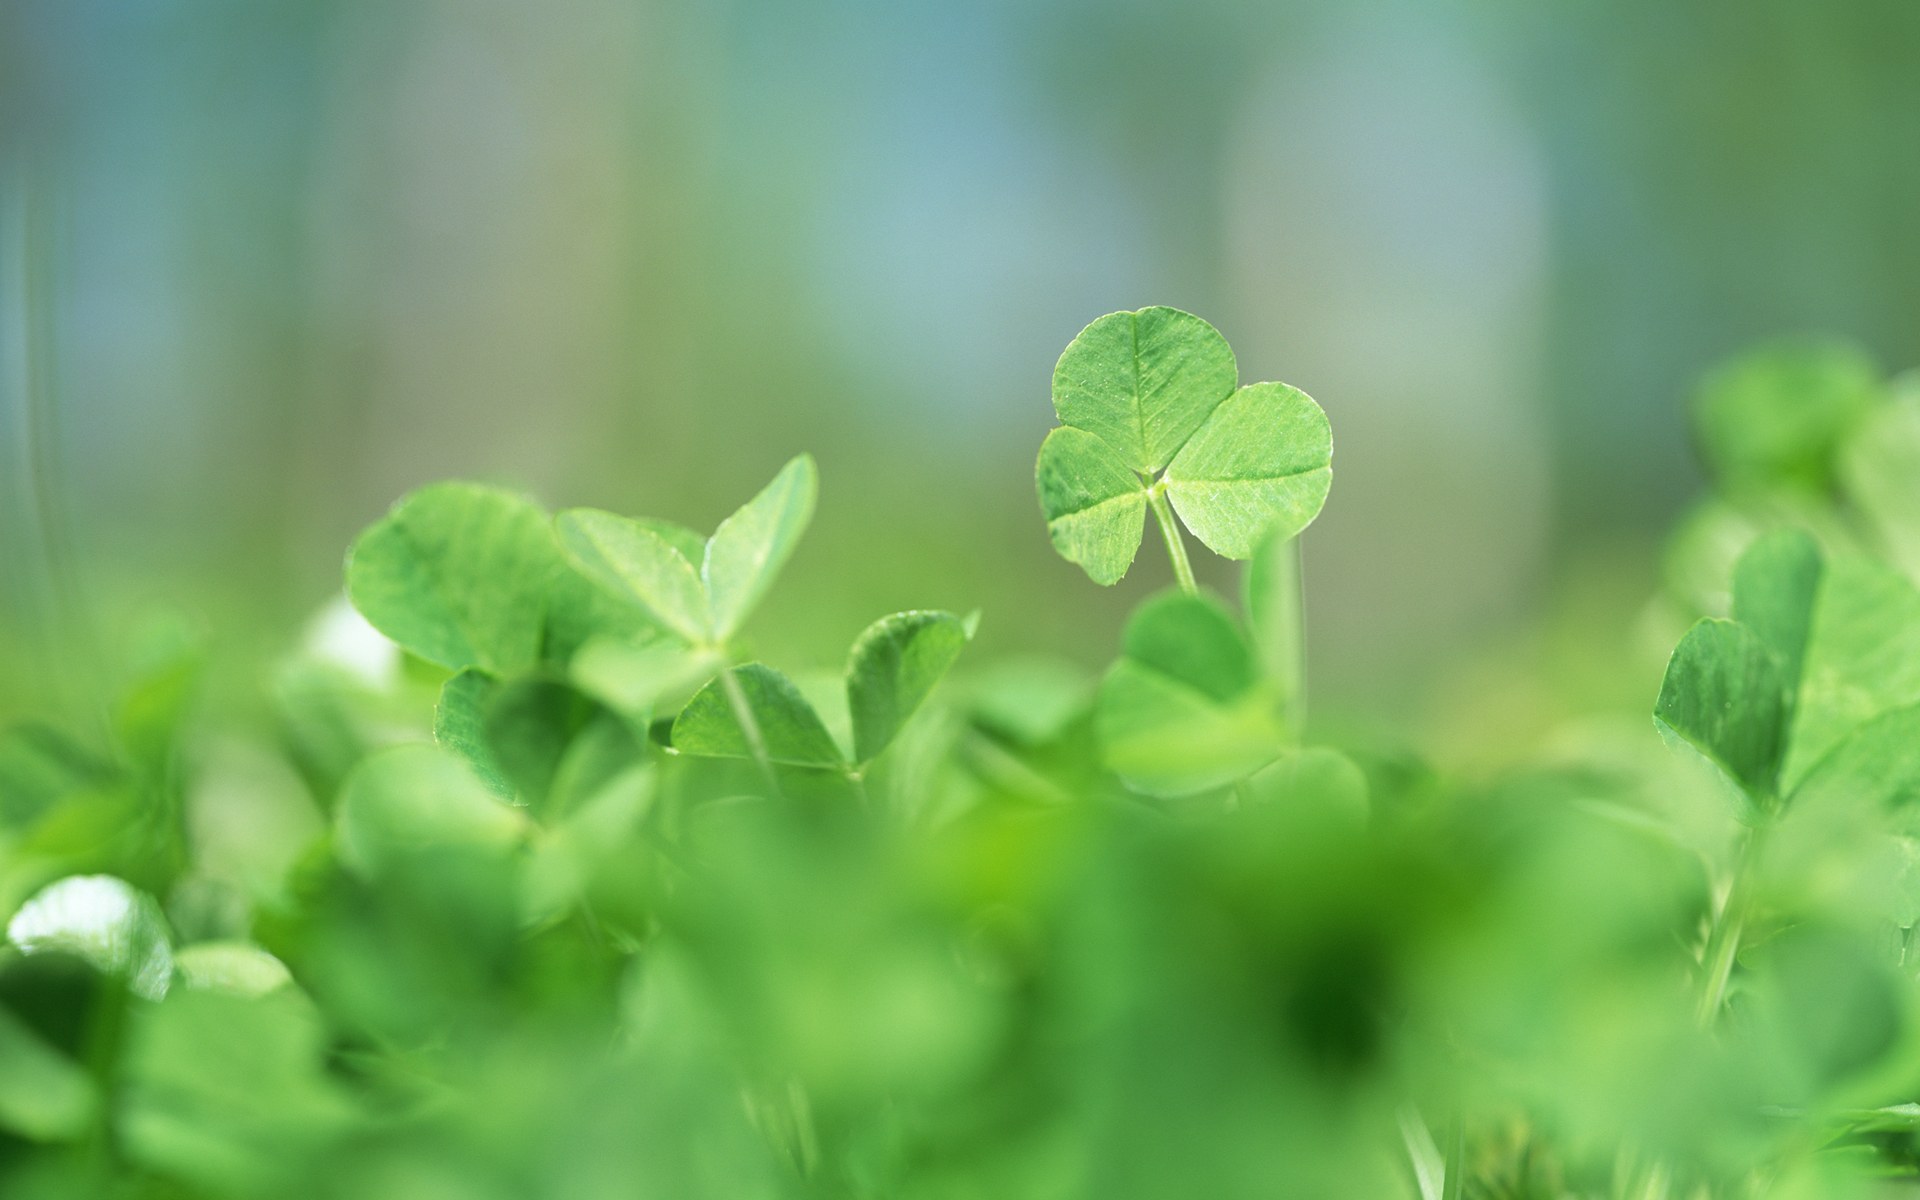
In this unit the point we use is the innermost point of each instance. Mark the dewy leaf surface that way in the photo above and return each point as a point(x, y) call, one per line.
point(793, 733)
point(751, 546)
point(1722, 695)
point(1259, 467)
point(458, 574)
point(1143, 382)
point(891, 671)
point(634, 559)
point(1095, 505)
point(1775, 584)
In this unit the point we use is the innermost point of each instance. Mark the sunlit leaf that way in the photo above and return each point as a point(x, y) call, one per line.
point(1143, 381)
point(748, 550)
point(633, 559)
point(1096, 507)
point(1259, 467)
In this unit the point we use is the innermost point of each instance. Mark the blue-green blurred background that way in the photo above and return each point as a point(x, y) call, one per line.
point(266, 264)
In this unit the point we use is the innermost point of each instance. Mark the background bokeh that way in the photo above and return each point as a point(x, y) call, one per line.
point(266, 264)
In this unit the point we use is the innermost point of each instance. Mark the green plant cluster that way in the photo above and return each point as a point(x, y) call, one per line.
point(542, 885)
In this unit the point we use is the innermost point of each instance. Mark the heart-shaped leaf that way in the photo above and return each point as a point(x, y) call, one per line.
point(1723, 697)
point(631, 558)
point(1143, 381)
point(1180, 712)
point(1260, 467)
point(701, 590)
point(458, 574)
point(751, 546)
point(1149, 408)
point(1775, 584)
point(893, 668)
point(789, 730)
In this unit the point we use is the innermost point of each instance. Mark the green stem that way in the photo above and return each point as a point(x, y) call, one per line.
point(1723, 938)
point(1163, 513)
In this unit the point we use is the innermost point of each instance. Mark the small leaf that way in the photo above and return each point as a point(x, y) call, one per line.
point(1775, 584)
point(633, 559)
point(790, 730)
point(894, 666)
point(1260, 467)
point(1180, 713)
point(460, 724)
point(1875, 766)
point(1143, 381)
point(1096, 507)
point(459, 575)
point(1722, 695)
point(1862, 659)
point(748, 550)
point(1776, 415)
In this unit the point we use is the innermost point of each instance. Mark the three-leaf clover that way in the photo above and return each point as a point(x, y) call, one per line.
point(1152, 415)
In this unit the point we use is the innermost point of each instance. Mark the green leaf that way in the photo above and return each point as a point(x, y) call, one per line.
point(410, 799)
point(1180, 712)
point(1722, 696)
point(748, 550)
point(1259, 467)
point(1875, 766)
point(790, 730)
point(1776, 415)
point(237, 967)
point(459, 575)
point(460, 724)
point(636, 679)
point(636, 560)
point(107, 921)
point(1315, 777)
point(894, 666)
point(1863, 657)
point(1775, 584)
point(1096, 507)
point(1143, 381)
point(1881, 469)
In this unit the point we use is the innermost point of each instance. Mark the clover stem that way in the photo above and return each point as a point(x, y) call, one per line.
point(1723, 937)
point(749, 727)
point(1163, 513)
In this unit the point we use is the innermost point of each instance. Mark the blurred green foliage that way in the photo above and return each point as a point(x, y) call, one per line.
point(523, 885)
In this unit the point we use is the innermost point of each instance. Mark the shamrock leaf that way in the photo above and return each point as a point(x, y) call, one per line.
point(702, 590)
point(1150, 414)
point(1723, 697)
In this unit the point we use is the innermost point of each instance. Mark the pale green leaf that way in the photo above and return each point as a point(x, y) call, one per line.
point(748, 550)
point(1260, 467)
point(460, 725)
point(1143, 381)
point(1863, 657)
point(1096, 507)
point(1775, 584)
point(1316, 778)
point(1722, 696)
point(634, 560)
point(43, 1094)
point(237, 967)
point(459, 575)
point(789, 729)
point(892, 669)
point(1877, 765)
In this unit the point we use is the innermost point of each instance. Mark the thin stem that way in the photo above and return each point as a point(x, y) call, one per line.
point(1176, 550)
point(749, 727)
point(1453, 1180)
point(1723, 938)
